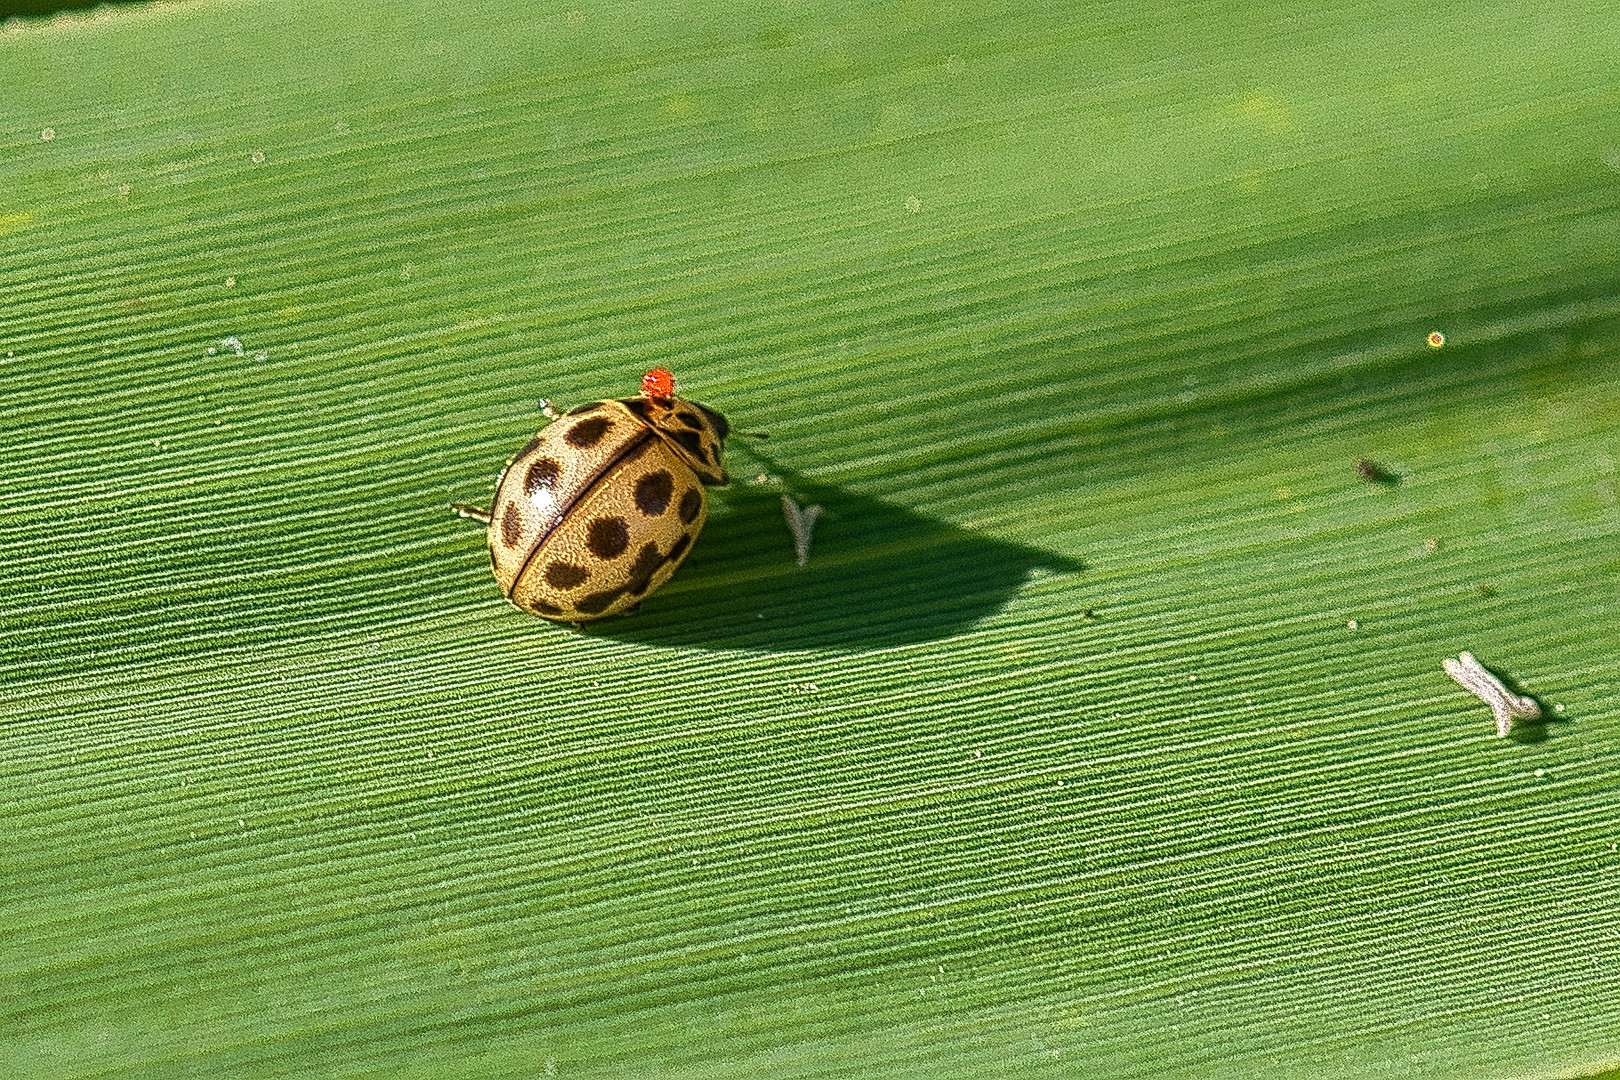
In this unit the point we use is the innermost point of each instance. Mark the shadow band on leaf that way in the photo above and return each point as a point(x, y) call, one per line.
point(40, 8)
point(878, 575)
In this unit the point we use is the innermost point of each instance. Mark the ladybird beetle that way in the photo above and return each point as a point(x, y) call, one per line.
point(604, 503)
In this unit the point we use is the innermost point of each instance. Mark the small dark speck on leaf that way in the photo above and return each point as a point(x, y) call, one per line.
point(1374, 473)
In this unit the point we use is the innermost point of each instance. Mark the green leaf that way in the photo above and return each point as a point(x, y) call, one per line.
point(1105, 732)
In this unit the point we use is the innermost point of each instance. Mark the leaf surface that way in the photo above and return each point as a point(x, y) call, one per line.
point(1105, 730)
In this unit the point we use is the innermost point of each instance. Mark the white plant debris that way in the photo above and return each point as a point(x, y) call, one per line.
point(801, 522)
point(1505, 705)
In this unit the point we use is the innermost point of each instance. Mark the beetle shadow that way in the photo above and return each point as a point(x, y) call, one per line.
point(878, 574)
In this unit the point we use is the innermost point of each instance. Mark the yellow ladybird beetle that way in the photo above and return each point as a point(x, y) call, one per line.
point(604, 503)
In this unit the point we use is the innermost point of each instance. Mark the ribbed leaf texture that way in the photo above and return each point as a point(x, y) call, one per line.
point(1104, 734)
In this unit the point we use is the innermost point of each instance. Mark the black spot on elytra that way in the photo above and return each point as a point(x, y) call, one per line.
point(511, 525)
point(607, 537)
point(587, 433)
point(691, 503)
point(648, 560)
point(581, 410)
point(562, 575)
point(680, 547)
point(653, 492)
point(597, 602)
point(692, 441)
point(542, 474)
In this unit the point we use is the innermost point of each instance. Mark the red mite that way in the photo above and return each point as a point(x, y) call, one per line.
point(658, 383)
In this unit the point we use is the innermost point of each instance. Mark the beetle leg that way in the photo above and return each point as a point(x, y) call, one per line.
point(471, 512)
